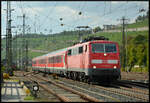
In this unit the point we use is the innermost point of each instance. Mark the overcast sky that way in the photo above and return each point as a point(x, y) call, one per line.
point(44, 16)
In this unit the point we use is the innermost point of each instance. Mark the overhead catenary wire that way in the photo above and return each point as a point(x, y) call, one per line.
point(104, 7)
point(37, 11)
point(81, 7)
point(117, 9)
point(116, 12)
point(110, 7)
point(108, 13)
point(48, 14)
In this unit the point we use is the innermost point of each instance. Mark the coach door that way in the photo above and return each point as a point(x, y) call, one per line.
point(64, 61)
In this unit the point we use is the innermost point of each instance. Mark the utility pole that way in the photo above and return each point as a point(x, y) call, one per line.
point(20, 57)
point(23, 60)
point(9, 39)
point(123, 56)
point(16, 49)
point(24, 66)
point(7, 66)
point(26, 59)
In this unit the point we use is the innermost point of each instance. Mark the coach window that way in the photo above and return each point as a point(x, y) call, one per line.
point(34, 62)
point(39, 61)
point(81, 49)
point(44, 61)
point(49, 59)
point(59, 59)
point(55, 59)
point(52, 59)
point(69, 52)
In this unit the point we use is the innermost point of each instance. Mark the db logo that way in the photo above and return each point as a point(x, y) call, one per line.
point(104, 61)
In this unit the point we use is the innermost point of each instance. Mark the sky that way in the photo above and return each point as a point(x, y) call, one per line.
point(44, 16)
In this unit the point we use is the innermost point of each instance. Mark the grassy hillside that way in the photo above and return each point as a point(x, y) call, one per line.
point(58, 42)
point(55, 42)
point(66, 39)
point(139, 24)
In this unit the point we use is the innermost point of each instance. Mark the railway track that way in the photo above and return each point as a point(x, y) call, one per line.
point(64, 94)
point(133, 84)
point(113, 93)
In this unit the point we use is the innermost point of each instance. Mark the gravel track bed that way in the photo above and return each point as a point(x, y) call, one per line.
point(91, 90)
point(86, 86)
point(42, 95)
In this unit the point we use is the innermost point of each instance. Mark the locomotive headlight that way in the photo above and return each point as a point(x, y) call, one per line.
point(94, 67)
point(115, 67)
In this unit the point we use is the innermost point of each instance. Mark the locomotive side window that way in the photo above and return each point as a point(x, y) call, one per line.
point(69, 52)
point(74, 51)
point(81, 49)
point(85, 48)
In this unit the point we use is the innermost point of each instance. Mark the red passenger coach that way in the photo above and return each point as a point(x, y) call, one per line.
point(90, 60)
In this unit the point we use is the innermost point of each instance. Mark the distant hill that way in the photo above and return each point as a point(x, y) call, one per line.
point(67, 38)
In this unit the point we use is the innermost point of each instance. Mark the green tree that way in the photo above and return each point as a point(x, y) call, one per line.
point(137, 51)
point(139, 39)
point(147, 14)
point(140, 54)
point(96, 29)
point(131, 56)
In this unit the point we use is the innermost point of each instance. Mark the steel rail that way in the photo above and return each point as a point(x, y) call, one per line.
point(125, 93)
point(84, 96)
point(62, 98)
point(118, 92)
point(133, 89)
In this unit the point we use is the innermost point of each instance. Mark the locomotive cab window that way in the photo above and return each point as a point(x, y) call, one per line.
point(110, 48)
point(97, 48)
point(104, 48)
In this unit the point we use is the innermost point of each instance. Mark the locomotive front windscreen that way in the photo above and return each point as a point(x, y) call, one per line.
point(103, 48)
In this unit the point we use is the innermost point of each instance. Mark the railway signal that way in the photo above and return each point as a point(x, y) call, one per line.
point(35, 88)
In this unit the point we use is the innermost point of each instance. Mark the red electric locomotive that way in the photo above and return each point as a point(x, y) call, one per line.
point(93, 59)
